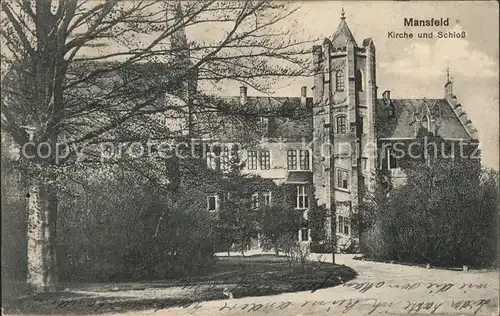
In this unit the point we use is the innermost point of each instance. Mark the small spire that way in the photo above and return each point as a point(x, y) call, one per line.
point(448, 74)
point(342, 14)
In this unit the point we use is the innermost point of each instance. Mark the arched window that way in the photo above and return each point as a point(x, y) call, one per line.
point(425, 122)
point(341, 124)
point(339, 80)
point(359, 80)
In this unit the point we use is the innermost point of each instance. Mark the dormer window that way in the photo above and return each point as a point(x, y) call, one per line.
point(339, 80)
point(391, 111)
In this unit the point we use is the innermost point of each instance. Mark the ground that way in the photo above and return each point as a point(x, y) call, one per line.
point(233, 277)
point(379, 288)
point(395, 290)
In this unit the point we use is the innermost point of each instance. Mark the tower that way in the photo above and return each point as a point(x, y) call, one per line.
point(343, 119)
point(185, 75)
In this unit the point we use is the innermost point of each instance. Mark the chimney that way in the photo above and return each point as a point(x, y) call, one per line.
point(448, 90)
point(243, 95)
point(448, 87)
point(386, 95)
point(303, 95)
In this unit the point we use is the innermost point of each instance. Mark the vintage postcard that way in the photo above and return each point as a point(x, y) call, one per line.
point(249, 157)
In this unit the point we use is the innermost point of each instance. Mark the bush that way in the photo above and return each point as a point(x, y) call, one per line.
point(124, 229)
point(446, 215)
point(296, 253)
point(279, 227)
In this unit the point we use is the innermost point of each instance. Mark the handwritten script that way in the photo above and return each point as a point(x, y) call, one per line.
point(367, 298)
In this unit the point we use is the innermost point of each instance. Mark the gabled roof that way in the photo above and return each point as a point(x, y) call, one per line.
point(402, 125)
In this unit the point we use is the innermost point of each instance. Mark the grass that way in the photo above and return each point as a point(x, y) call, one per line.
point(257, 275)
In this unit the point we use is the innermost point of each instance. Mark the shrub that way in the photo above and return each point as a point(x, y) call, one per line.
point(279, 227)
point(125, 229)
point(446, 214)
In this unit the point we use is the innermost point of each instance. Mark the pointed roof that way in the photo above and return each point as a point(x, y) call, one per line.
point(343, 34)
point(178, 39)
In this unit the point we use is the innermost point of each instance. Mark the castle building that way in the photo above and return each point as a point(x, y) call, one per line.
point(333, 152)
point(329, 145)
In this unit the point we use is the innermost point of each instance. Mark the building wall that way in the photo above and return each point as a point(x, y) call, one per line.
point(356, 101)
point(278, 159)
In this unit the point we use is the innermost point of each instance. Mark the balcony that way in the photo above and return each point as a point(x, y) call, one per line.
point(299, 177)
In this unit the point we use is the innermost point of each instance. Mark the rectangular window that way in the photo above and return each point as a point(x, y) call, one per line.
point(267, 198)
point(393, 161)
point(342, 179)
point(226, 197)
point(255, 200)
point(213, 153)
point(292, 159)
point(252, 160)
point(362, 125)
point(302, 198)
point(212, 203)
point(389, 160)
point(364, 163)
point(304, 159)
point(264, 125)
point(304, 234)
point(339, 80)
point(225, 159)
point(341, 124)
point(265, 160)
point(211, 161)
point(343, 226)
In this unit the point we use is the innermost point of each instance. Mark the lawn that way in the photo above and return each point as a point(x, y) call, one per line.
point(257, 275)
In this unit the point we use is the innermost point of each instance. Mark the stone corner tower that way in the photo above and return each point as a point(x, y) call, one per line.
point(344, 97)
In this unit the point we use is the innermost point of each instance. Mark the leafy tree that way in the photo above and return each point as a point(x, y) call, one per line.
point(280, 221)
point(61, 86)
point(238, 217)
point(446, 212)
point(280, 225)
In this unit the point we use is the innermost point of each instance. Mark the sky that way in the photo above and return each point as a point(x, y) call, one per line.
point(416, 68)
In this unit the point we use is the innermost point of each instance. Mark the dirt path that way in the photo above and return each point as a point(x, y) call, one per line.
point(380, 288)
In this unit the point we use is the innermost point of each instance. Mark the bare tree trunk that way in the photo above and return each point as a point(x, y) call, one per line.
point(42, 214)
